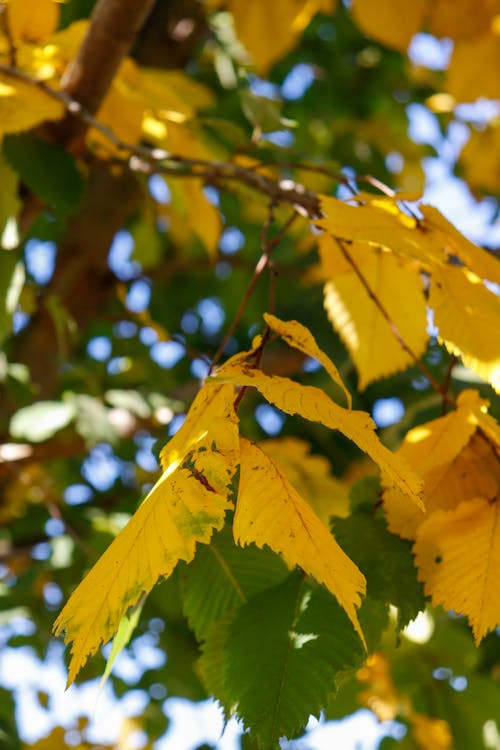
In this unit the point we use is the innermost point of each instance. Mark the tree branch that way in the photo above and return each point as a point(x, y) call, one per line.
point(114, 25)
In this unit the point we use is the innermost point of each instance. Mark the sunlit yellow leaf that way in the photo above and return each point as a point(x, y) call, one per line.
point(480, 158)
point(456, 463)
point(270, 511)
point(366, 332)
point(270, 30)
point(380, 223)
point(313, 404)
point(310, 475)
point(31, 20)
point(211, 420)
point(23, 106)
point(183, 508)
point(466, 314)
point(477, 260)
point(299, 337)
point(389, 21)
point(179, 511)
point(458, 557)
point(474, 71)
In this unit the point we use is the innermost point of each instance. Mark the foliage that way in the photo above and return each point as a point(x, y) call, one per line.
point(212, 233)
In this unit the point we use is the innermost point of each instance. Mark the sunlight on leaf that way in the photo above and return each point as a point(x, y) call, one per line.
point(313, 404)
point(270, 511)
point(299, 337)
point(458, 556)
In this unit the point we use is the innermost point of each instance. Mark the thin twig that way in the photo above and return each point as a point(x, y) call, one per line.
point(446, 382)
point(5, 25)
point(261, 265)
point(55, 512)
point(394, 328)
point(155, 160)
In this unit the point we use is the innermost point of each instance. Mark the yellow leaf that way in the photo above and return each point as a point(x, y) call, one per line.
point(456, 464)
point(365, 331)
point(381, 223)
point(201, 215)
point(310, 475)
point(480, 158)
point(389, 21)
point(313, 404)
point(23, 106)
point(462, 18)
point(270, 511)
point(211, 420)
point(466, 314)
point(179, 511)
point(299, 337)
point(474, 71)
point(477, 260)
point(31, 20)
point(270, 30)
point(183, 508)
point(431, 733)
point(458, 556)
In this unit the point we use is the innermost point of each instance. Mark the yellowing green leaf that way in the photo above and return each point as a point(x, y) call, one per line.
point(23, 106)
point(391, 22)
point(211, 420)
point(458, 557)
point(310, 475)
point(31, 20)
point(466, 313)
point(365, 331)
point(270, 511)
point(299, 337)
point(313, 404)
point(179, 511)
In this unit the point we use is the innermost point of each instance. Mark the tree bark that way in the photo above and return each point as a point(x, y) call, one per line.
point(113, 28)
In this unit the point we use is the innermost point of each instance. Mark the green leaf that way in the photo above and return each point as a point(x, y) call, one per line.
point(213, 662)
point(131, 400)
point(286, 648)
point(384, 558)
point(127, 625)
point(223, 576)
point(41, 420)
point(47, 169)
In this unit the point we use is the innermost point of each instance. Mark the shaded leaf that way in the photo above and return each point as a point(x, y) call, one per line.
point(222, 577)
point(385, 559)
point(47, 169)
point(290, 643)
